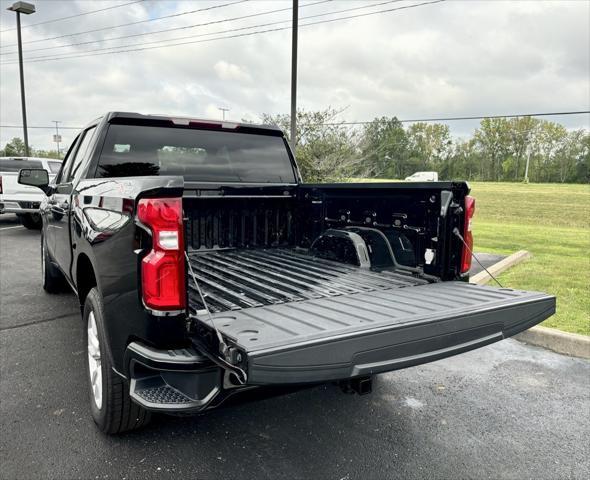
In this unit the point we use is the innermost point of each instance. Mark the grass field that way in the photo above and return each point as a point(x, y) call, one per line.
point(552, 221)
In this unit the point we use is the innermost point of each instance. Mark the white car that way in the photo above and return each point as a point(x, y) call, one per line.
point(21, 199)
point(423, 177)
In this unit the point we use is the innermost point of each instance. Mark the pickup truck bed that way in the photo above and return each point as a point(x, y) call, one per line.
point(299, 318)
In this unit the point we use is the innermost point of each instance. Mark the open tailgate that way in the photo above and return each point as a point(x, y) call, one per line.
point(372, 332)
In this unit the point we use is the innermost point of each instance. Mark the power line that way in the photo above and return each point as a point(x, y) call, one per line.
point(73, 16)
point(474, 117)
point(49, 58)
point(168, 29)
point(412, 120)
point(41, 127)
point(199, 35)
point(175, 28)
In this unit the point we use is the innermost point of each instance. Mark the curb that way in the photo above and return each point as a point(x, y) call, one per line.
point(565, 343)
point(482, 277)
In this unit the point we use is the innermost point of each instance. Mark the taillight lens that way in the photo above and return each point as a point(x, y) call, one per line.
point(467, 234)
point(162, 269)
point(0, 184)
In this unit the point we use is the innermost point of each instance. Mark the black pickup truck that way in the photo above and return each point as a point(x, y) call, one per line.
point(206, 268)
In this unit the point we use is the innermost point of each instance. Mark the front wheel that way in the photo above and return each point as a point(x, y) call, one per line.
point(111, 406)
point(31, 221)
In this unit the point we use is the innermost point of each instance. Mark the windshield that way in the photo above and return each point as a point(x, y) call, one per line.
point(54, 166)
point(197, 155)
point(15, 164)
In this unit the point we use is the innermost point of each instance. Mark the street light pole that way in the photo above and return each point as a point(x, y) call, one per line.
point(294, 74)
point(27, 9)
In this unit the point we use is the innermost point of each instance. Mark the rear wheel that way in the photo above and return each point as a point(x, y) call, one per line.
point(32, 221)
point(53, 279)
point(111, 406)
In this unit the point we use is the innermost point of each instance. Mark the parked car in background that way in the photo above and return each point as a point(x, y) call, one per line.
point(22, 199)
point(423, 177)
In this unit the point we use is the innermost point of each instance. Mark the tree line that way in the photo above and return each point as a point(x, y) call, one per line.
point(499, 149)
point(16, 148)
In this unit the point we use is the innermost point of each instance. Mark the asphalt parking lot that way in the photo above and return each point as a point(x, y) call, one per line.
point(505, 411)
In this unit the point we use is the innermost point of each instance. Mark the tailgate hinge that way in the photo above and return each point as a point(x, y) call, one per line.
point(215, 349)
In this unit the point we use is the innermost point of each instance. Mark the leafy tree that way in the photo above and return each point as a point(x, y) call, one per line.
point(464, 161)
point(14, 148)
point(430, 147)
point(493, 141)
point(384, 148)
point(50, 153)
point(582, 168)
point(326, 150)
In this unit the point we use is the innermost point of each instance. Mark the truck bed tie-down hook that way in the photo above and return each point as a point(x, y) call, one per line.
point(222, 358)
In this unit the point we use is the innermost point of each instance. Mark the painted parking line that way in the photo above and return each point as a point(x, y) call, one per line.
point(10, 228)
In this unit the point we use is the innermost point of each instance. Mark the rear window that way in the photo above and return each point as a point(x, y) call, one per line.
point(54, 166)
point(15, 164)
point(197, 155)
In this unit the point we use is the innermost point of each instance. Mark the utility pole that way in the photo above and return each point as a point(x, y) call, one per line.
point(223, 110)
point(294, 74)
point(526, 169)
point(57, 137)
point(27, 9)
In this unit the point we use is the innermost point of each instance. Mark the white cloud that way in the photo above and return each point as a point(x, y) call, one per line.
point(231, 72)
point(448, 59)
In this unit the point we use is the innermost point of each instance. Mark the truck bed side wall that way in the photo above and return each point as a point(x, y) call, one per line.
point(104, 232)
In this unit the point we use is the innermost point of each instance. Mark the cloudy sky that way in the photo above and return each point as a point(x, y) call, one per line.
point(451, 58)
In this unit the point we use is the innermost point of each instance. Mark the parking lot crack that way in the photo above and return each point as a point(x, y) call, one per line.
point(35, 322)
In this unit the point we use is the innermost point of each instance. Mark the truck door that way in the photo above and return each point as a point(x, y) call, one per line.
point(58, 215)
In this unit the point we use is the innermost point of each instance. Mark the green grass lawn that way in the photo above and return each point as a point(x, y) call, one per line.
point(552, 221)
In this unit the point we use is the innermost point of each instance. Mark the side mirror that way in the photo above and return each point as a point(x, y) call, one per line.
point(34, 177)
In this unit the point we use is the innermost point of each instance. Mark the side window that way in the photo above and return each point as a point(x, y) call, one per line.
point(80, 153)
point(65, 165)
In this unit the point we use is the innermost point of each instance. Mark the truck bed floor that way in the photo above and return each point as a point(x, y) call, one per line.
point(238, 279)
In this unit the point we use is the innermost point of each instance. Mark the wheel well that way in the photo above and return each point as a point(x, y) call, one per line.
point(85, 278)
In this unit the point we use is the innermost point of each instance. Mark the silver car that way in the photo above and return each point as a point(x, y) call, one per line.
point(21, 199)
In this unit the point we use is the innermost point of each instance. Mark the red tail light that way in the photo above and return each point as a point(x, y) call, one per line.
point(0, 184)
point(467, 234)
point(162, 269)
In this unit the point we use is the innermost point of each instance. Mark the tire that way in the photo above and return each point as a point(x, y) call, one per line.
point(31, 221)
point(111, 406)
point(53, 279)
